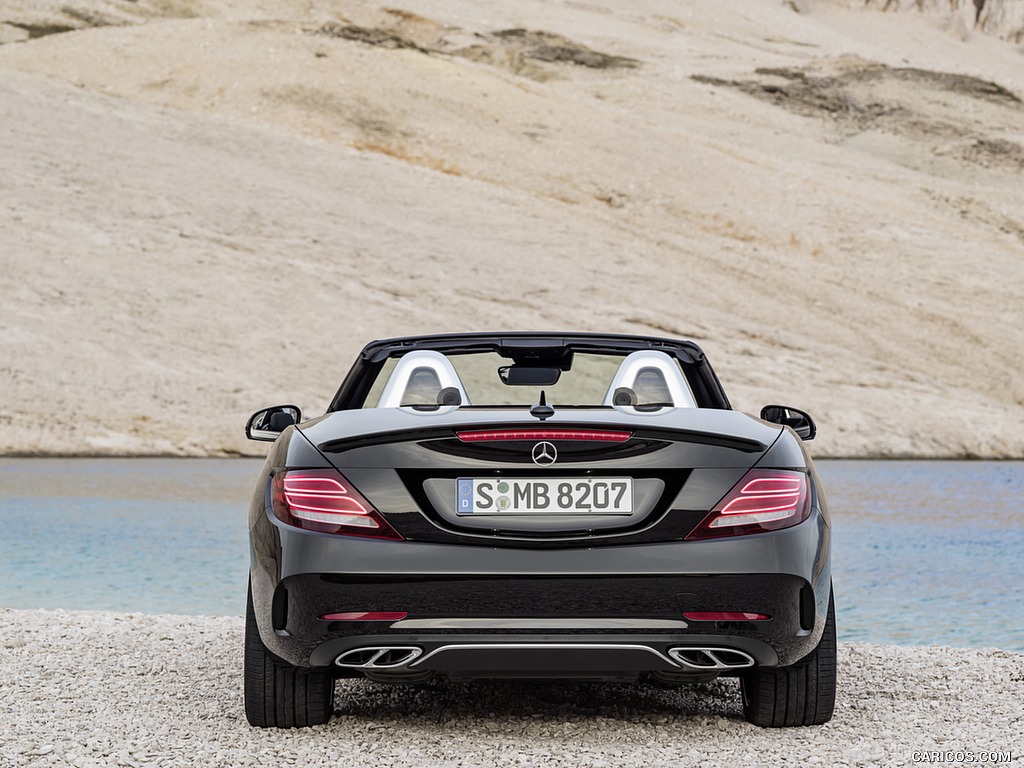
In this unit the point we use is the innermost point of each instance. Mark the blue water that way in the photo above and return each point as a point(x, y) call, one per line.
point(923, 552)
point(146, 535)
point(928, 552)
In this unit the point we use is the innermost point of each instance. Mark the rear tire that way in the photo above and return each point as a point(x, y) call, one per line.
point(801, 694)
point(277, 694)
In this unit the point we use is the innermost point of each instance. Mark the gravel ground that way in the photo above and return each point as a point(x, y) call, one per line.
point(105, 689)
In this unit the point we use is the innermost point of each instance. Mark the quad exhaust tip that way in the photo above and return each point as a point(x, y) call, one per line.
point(708, 659)
point(379, 657)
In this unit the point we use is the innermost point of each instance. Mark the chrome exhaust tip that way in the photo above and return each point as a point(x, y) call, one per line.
point(711, 659)
point(379, 657)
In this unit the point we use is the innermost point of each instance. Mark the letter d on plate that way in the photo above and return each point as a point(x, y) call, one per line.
point(465, 496)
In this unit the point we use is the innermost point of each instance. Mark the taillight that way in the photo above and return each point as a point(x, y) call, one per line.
point(763, 500)
point(323, 500)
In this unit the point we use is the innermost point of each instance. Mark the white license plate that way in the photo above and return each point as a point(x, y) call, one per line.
point(545, 496)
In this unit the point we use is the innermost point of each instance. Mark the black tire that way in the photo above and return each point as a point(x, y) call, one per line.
point(801, 694)
point(278, 695)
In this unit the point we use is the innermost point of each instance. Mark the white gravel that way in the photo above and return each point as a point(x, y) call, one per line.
point(104, 689)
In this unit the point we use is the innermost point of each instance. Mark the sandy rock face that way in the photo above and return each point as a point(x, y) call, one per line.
point(1000, 18)
point(208, 209)
point(1003, 18)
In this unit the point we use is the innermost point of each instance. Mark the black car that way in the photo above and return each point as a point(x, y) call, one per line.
point(537, 505)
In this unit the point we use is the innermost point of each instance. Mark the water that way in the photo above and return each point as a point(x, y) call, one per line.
point(923, 552)
point(147, 535)
point(928, 552)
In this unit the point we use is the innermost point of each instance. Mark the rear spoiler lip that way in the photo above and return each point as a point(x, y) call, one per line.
point(743, 444)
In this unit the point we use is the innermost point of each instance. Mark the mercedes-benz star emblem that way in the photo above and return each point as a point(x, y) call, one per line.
point(544, 454)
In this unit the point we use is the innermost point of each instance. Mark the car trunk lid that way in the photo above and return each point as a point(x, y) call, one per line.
point(502, 478)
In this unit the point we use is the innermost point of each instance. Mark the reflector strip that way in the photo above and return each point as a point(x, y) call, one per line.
point(366, 616)
point(490, 435)
point(725, 616)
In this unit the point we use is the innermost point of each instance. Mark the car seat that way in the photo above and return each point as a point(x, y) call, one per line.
point(419, 379)
point(649, 377)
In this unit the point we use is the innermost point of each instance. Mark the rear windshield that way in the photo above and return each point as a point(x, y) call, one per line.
point(489, 380)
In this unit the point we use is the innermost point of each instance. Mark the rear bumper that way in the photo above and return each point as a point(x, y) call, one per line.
point(597, 612)
point(589, 604)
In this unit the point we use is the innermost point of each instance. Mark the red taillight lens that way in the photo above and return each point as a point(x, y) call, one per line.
point(763, 500)
point(487, 435)
point(323, 500)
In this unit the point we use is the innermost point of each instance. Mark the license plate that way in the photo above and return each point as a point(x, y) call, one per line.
point(545, 496)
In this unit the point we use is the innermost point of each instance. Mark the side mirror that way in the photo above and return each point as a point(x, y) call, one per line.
point(268, 424)
point(800, 421)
